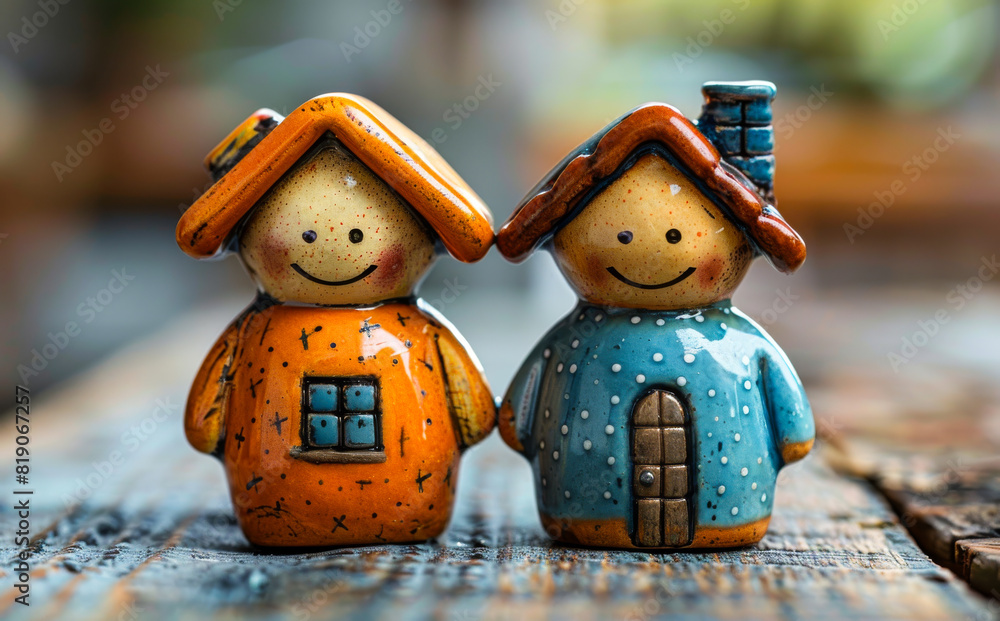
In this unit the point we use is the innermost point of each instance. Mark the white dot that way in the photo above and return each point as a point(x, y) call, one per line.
point(636, 319)
point(559, 368)
point(746, 409)
point(607, 495)
point(711, 392)
point(753, 485)
point(595, 382)
point(611, 461)
point(746, 360)
point(544, 481)
point(585, 415)
point(609, 430)
point(599, 317)
point(747, 384)
point(699, 318)
point(575, 343)
point(722, 490)
point(709, 434)
point(723, 326)
point(716, 419)
point(657, 357)
point(572, 368)
point(547, 412)
point(555, 455)
point(541, 444)
point(734, 511)
point(763, 497)
point(566, 494)
point(547, 353)
point(615, 399)
point(580, 318)
point(759, 460)
point(724, 460)
point(660, 322)
point(744, 472)
point(616, 367)
point(737, 437)
point(640, 378)
point(566, 396)
point(564, 429)
point(681, 381)
point(587, 444)
point(689, 358)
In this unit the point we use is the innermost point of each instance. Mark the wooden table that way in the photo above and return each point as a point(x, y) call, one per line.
point(128, 522)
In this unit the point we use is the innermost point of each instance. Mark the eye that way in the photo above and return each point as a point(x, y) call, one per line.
point(355, 236)
point(309, 236)
point(625, 237)
point(673, 236)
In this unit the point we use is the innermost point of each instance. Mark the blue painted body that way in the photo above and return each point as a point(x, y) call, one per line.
point(574, 394)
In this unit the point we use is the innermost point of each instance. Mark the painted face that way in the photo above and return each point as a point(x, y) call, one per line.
point(331, 232)
point(652, 240)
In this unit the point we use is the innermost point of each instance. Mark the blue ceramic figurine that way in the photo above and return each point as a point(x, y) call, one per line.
point(657, 415)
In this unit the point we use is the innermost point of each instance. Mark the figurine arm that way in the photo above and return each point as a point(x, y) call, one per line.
point(517, 411)
point(205, 414)
point(470, 399)
point(788, 407)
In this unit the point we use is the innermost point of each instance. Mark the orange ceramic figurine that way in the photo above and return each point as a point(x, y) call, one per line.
point(337, 401)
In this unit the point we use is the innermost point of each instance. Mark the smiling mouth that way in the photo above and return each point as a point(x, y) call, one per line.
point(661, 285)
point(334, 283)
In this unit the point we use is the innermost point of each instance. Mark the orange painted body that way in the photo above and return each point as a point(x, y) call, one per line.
point(284, 500)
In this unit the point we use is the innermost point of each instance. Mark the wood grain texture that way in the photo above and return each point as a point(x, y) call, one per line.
point(934, 454)
point(155, 537)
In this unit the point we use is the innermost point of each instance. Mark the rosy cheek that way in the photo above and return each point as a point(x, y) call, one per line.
point(709, 271)
point(273, 256)
point(597, 272)
point(391, 266)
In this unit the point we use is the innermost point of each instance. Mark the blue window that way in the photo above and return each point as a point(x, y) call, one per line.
point(359, 431)
point(324, 430)
point(341, 415)
point(323, 397)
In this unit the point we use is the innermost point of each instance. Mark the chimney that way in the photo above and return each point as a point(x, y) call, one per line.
point(736, 118)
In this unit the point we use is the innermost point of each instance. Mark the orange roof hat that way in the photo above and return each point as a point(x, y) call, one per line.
point(566, 189)
point(264, 147)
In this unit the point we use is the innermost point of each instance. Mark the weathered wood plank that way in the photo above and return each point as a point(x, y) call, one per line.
point(979, 562)
point(927, 440)
point(156, 538)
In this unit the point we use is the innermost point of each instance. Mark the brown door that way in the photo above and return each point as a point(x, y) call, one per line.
point(660, 481)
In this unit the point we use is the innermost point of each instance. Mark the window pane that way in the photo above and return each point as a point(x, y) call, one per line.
point(359, 398)
point(324, 430)
point(323, 398)
point(359, 431)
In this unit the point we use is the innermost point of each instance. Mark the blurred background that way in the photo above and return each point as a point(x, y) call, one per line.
point(886, 126)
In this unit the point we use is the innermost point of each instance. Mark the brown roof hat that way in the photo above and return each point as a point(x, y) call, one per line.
point(395, 154)
point(557, 196)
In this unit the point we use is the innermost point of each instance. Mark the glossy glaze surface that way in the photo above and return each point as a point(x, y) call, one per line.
point(570, 410)
point(281, 498)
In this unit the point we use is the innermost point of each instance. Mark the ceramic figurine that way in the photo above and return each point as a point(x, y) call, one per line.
point(656, 415)
point(338, 403)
